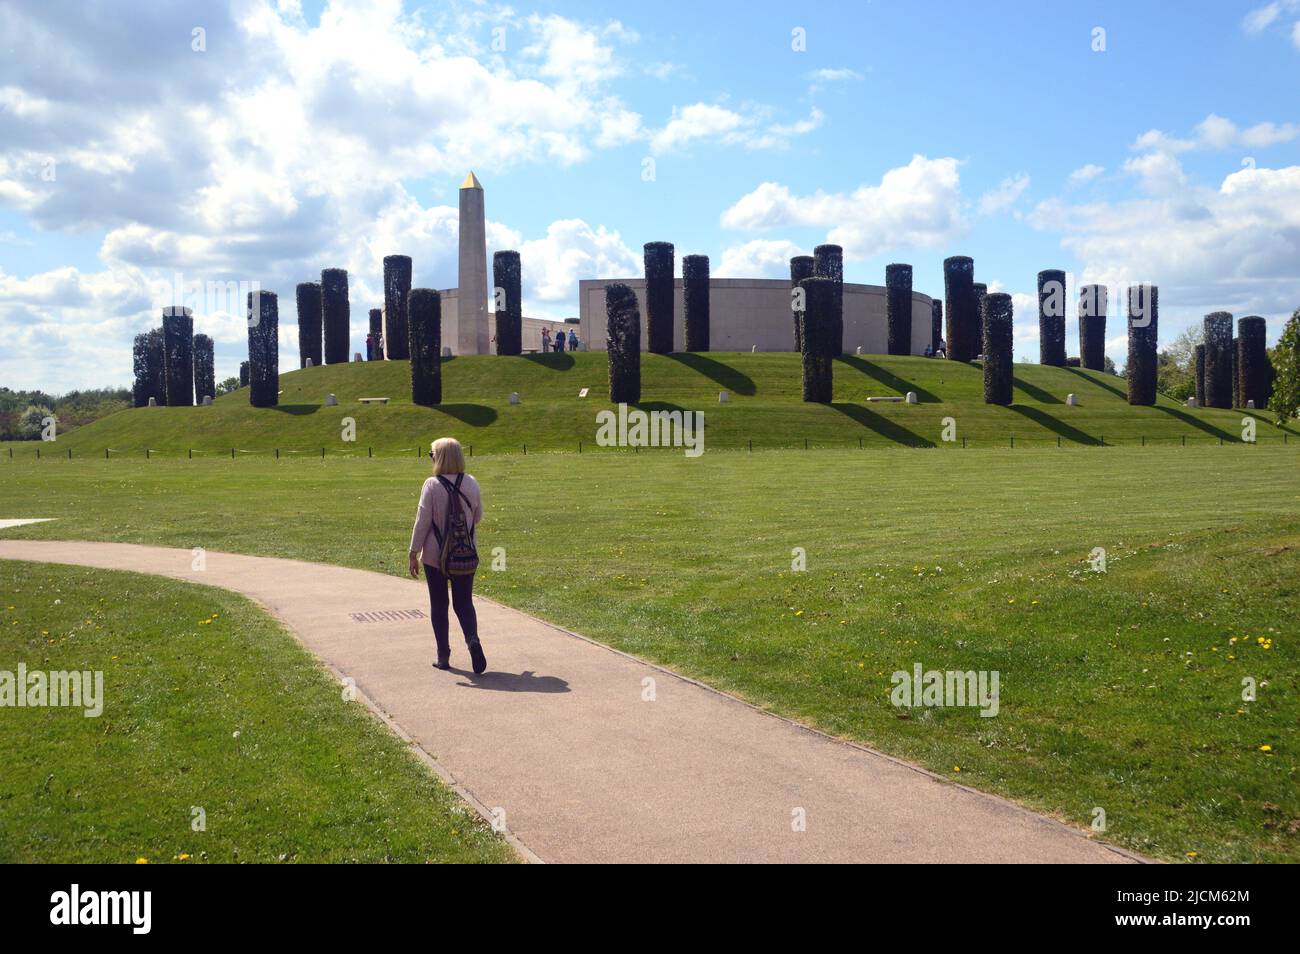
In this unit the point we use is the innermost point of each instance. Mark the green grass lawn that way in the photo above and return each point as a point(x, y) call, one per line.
point(1119, 691)
point(765, 408)
point(209, 704)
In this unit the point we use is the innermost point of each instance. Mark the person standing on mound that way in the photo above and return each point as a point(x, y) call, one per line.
point(443, 540)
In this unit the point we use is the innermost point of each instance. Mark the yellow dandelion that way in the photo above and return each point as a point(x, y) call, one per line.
point(142, 861)
point(1266, 748)
point(956, 768)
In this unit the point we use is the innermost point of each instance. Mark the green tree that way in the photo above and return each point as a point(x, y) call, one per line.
point(1176, 365)
point(228, 385)
point(1285, 403)
point(32, 421)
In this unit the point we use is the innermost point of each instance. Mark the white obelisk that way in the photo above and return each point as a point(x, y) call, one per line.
point(471, 297)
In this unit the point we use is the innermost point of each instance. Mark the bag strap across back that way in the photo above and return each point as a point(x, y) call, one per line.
point(453, 491)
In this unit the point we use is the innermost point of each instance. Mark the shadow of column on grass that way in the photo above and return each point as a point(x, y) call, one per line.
point(1035, 392)
point(728, 377)
point(1198, 423)
point(882, 425)
point(1055, 425)
point(555, 360)
point(887, 378)
point(1270, 419)
point(1113, 389)
point(475, 415)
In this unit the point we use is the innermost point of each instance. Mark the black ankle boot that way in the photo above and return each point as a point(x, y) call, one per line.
point(444, 654)
point(476, 656)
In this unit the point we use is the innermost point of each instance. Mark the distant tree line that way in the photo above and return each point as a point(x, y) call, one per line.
point(21, 412)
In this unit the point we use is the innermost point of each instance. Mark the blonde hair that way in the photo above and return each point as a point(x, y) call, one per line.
point(448, 456)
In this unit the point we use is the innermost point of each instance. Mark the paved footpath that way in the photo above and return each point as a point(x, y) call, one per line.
point(558, 736)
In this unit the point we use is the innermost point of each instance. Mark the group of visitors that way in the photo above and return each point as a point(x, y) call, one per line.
point(558, 342)
point(939, 352)
point(374, 347)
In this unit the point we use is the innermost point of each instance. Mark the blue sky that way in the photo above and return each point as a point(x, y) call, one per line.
point(305, 136)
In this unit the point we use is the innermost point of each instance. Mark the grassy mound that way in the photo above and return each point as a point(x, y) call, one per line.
point(765, 408)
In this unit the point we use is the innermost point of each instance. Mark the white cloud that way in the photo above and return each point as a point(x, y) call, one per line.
point(835, 75)
point(1260, 18)
point(1232, 248)
point(1216, 132)
point(759, 258)
point(698, 121)
point(281, 150)
point(1295, 35)
point(664, 70)
point(1084, 174)
point(719, 125)
point(1159, 172)
point(913, 205)
point(572, 250)
point(67, 325)
point(571, 53)
point(1006, 194)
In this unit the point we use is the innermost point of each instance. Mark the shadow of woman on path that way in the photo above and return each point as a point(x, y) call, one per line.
point(526, 681)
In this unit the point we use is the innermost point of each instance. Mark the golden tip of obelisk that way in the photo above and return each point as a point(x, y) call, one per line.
point(471, 182)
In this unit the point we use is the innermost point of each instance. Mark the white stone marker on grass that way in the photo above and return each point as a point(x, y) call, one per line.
point(911, 397)
point(514, 397)
point(1191, 402)
point(723, 397)
point(1072, 400)
point(331, 401)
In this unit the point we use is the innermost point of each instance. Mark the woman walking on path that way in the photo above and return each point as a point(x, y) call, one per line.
point(451, 506)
